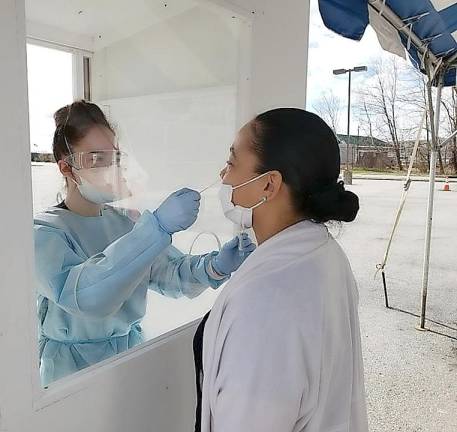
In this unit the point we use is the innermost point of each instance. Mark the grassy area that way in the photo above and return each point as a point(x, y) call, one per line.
point(374, 171)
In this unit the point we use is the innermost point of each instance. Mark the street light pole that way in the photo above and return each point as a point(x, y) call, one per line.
point(355, 155)
point(347, 174)
point(348, 170)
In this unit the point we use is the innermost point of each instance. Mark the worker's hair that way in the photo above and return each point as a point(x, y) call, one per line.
point(73, 122)
point(303, 148)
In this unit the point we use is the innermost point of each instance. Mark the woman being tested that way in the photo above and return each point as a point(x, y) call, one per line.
point(94, 264)
point(282, 347)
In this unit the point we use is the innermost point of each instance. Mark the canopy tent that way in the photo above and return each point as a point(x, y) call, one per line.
point(425, 30)
point(421, 28)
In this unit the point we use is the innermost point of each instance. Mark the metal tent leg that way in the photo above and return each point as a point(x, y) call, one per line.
point(434, 124)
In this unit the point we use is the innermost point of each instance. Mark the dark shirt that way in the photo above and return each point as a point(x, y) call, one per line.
point(198, 358)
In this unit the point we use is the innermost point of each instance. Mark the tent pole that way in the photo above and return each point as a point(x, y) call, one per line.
point(434, 125)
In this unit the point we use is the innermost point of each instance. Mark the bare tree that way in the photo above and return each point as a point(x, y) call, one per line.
point(329, 108)
point(388, 104)
point(364, 119)
point(449, 104)
point(381, 99)
point(416, 100)
point(391, 105)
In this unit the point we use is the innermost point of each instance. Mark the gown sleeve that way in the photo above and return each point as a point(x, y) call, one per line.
point(175, 274)
point(96, 286)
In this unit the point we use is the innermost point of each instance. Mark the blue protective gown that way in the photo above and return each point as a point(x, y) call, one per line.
point(93, 274)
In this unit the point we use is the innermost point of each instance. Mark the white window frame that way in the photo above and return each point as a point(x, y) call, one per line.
point(79, 54)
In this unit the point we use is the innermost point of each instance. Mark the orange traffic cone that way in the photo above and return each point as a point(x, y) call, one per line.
point(446, 186)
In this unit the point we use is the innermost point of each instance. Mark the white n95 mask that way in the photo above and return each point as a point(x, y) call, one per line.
point(241, 216)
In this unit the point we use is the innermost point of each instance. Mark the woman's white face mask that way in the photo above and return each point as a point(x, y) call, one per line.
point(102, 185)
point(241, 216)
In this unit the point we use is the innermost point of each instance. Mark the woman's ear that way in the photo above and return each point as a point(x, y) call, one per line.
point(67, 171)
point(274, 185)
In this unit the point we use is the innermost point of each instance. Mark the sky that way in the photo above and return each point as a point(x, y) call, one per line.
point(329, 51)
point(50, 76)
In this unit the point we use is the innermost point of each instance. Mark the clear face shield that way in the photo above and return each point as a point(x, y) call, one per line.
point(109, 177)
point(102, 175)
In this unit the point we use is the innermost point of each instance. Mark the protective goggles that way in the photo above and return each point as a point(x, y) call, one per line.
point(97, 159)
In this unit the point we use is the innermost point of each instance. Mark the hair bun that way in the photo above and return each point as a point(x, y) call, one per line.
point(335, 203)
point(61, 115)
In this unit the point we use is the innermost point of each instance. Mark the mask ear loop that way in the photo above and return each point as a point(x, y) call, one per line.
point(250, 181)
point(243, 228)
point(264, 199)
point(70, 151)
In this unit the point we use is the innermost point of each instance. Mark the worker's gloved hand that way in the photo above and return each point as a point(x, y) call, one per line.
point(179, 211)
point(232, 255)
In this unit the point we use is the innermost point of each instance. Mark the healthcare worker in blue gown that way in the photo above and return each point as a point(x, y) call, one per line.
point(95, 264)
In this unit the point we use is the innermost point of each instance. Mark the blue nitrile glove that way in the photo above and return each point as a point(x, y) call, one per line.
point(232, 255)
point(179, 211)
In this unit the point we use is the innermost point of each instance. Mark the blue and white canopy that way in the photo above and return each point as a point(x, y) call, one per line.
point(426, 29)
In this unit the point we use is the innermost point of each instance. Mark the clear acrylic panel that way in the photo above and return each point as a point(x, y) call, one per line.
point(163, 85)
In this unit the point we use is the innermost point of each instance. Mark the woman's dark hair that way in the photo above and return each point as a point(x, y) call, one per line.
point(303, 148)
point(73, 123)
